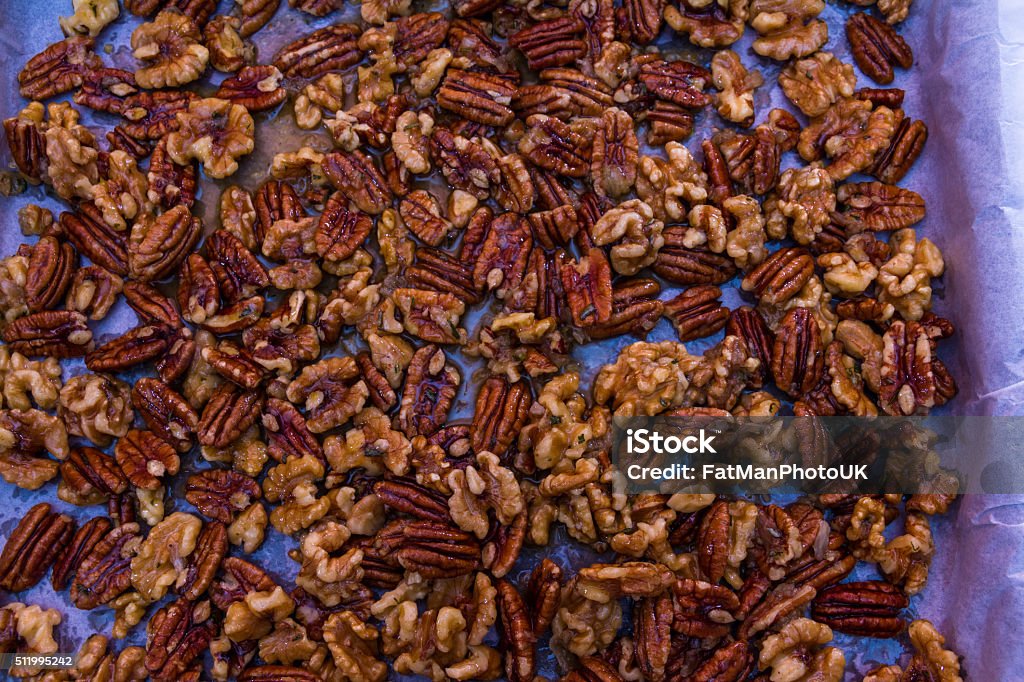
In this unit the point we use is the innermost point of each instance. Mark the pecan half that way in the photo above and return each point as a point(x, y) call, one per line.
point(553, 145)
point(28, 147)
point(554, 42)
point(228, 414)
point(165, 412)
point(500, 414)
point(588, 288)
point(543, 594)
point(176, 635)
point(877, 207)
point(204, 561)
point(517, 634)
point(169, 183)
point(257, 88)
point(332, 48)
point(907, 143)
point(697, 312)
point(867, 609)
point(93, 238)
point(435, 550)
point(702, 609)
point(220, 494)
point(410, 498)
point(158, 246)
point(358, 177)
point(798, 357)
point(81, 544)
point(152, 115)
point(682, 265)
point(652, 635)
point(781, 276)
point(59, 68)
point(145, 458)
point(465, 165)
point(746, 323)
point(678, 82)
point(49, 273)
point(89, 476)
point(440, 271)
point(907, 383)
point(877, 47)
point(430, 388)
point(287, 433)
point(33, 546)
point(480, 97)
point(105, 572)
point(50, 333)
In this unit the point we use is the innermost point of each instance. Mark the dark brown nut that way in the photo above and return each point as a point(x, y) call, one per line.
point(747, 324)
point(134, 347)
point(93, 291)
point(228, 414)
point(703, 609)
point(49, 333)
point(543, 594)
point(88, 476)
point(866, 609)
point(198, 293)
point(798, 356)
point(515, 192)
point(718, 173)
point(106, 89)
point(281, 348)
point(105, 571)
point(159, 245)
point(877, 47)
point(555, 227)
point(381, 393)
point(430, 388)
point(554, 42)
point(697, 312)
point(430, 315)
point(882, 97)
point(176, 636)
point(287, 433)
point(652, 635)
point(616, 154)
point(96, 240)
point(49, 273)
point(278, 673)
point(907, 376)
point(229, 52)
point(563, 93)
point(713, 542)
point(58, 69)
point(211, 547)
point(151, 306)
point(358, 177)
point(33, 546)
point(668, 122)
point(643, 19)
point(332, 48)
point(678, 82)
point(340, 231)
point(782, 601)
point(780, 277)
point(151, 115)
point(554, 146)
point(238, 272)
point(274, 201)
point(257, 88)
point(332, 392)
point(197, 10)
point(435, 550)
point(517, 634)
point(405, 496)
point(165, 412)
point(255, 15)
point(504, 253)
point(170, 185)
point(466, 165)
point(504, 545)
point(316, 8)
point(145, 458)
point(440, 271)
point(500, 414)
point(728, 663)
point(220, 494)
point(80, 545)
point(235, 364)
point(480, 97)
point(421, 212)
point(682, 265)
point(28, 147)
point(414, 37)
point(588, 288)
point(238, 578)
point(877, 207)
point(634, 310)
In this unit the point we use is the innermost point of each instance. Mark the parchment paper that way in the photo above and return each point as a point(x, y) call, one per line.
point(968, 86)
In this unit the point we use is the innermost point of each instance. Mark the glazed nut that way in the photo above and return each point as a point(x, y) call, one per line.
point(867, 609)
point(257, 88)
point(333, 48)
point(228, 414)
point(877, 47)
point(59, 68)
point(430, 387)
point(97, 407)
point(697, 312)
point(50, 333)
point(105, 570)
point(50, 269)
point(478, 97)
point(781, 276)
point(500, 414)
point(797, 355)
point(554, 42)
point(216, 132)
point(358, 178)
point(221, 494)
point(33, 546)
point(165, 412)
point(145, 458)
point(678, 82)
point(172, 46)
point(907, 143)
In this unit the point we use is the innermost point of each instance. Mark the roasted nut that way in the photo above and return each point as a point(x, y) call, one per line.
point(521, 659)
point(635, 234)
point(679, 82)
point(229, 52)
point(175, 636)
point(58, 69)
point(331, 390)
point(906, 145)
point(816, 83)
point(710, 24)
point(500, 414)
point(479, 97)
point(165, 412)
point(257, 88)
point(214, 131)
point(105, 571)
point(220, 494)
point(421, 212)
point(332, 48)
point(33, 546)
point(697, 312)
point(867, 609)
point(735, 101)
point(145, 459)
point(228, 414)
point(172, 44)
point(555, 146)
point(781, 276)
point(358, 177)
point(430, 315)
point(465, 165)
point(50, 269)
point(877, 47)
point(430, 388)
point(797, 354)
point(49, 333)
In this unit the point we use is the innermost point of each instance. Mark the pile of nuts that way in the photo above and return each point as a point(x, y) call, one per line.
point(560, 223)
